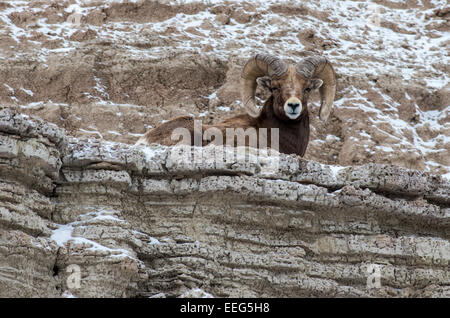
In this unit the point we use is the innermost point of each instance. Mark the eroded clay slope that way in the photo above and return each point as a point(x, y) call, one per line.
point(112, 69)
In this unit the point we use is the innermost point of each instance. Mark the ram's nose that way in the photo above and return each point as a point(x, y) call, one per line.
point(293, 106)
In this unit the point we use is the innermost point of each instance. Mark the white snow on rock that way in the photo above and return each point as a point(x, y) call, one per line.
point(196, 293)
point(63, 234)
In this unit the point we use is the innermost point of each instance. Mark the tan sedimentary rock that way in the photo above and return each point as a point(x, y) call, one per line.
point(140, 222)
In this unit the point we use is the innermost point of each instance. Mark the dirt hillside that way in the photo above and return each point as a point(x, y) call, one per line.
point(113, 69)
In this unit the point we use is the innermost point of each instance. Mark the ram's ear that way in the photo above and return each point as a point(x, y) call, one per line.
point(264, 81)
point(316, 83)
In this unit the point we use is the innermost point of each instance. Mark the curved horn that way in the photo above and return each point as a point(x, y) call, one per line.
point(320, 67)
point(258, 66)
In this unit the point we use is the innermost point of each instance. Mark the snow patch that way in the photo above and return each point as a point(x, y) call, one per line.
point(27, 91)
point(196, 293)
point(152, 152)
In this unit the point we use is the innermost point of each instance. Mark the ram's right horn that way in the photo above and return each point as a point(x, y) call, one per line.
point(258, 66)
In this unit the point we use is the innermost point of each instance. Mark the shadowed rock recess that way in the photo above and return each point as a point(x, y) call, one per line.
point(137, 223)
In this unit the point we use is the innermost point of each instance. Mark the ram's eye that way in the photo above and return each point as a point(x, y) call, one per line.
point(308, 89)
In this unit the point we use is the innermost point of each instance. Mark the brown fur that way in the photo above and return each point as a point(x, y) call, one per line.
point(294, 134)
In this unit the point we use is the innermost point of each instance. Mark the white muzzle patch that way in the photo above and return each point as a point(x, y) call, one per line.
point(293, 108)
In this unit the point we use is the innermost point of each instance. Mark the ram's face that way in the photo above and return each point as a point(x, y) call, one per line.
point(290, 93)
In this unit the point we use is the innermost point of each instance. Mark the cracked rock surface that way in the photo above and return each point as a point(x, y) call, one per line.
point(143, 222)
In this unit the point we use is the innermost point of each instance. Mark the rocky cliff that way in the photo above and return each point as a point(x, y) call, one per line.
point(93, 218)
point(85, 213)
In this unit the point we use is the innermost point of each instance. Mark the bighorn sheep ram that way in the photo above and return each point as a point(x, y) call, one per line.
point(286, 108)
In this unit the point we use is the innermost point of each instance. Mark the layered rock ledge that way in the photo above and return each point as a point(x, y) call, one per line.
point(139, 222)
